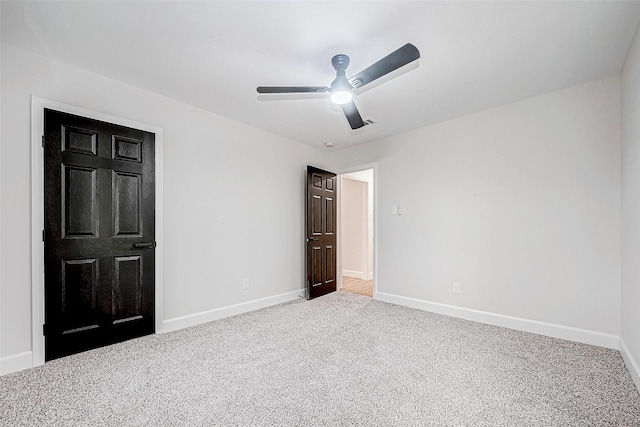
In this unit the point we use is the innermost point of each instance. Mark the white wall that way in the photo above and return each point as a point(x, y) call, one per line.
point(630, 310)
point(233, 195)
point(1, 237)
point(519, 204)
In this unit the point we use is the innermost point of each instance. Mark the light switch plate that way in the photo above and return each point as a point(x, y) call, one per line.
point(394, 209)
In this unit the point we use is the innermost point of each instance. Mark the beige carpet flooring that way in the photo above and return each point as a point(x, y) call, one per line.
point(338, 360)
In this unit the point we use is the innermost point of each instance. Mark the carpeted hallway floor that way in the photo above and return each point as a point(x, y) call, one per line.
point(342, 360)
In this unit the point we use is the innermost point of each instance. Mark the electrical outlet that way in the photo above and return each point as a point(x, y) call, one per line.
point(245, 284)
point(455, 289)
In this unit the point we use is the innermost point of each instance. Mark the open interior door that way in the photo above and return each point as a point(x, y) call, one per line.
point(321, 232)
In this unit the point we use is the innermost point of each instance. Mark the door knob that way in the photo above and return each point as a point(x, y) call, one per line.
point(144, 245)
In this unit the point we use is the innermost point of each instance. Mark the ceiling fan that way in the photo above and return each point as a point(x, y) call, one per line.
point(341, 87)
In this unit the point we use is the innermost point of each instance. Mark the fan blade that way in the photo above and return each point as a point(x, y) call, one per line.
point(353, 116)
point(291, 89)
point(406, 54)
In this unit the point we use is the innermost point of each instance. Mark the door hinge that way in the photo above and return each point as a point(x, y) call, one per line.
point(44, 330)
point(43, 235)
point(42, 140)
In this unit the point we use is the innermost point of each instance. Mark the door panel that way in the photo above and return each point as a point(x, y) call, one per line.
point(79, 202)
point(99, 203)
point(316, 267)
point(79, 295)
point(127, 292)
point(127, 149)
point(321, 235)
point(127, 201)
point(330, 269)
point(81, 141)
point(330, 215)
point(316, 215)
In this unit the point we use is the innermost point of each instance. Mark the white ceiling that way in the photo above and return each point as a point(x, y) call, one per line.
point(212, 54)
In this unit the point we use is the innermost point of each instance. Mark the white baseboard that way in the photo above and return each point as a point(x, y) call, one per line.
point(21, 361)
point(228, 311)
point(631, 363)
point(353, 273)
point(536, 327)
point(16, 362)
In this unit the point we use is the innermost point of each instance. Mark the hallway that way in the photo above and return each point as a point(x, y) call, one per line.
point(357, 286)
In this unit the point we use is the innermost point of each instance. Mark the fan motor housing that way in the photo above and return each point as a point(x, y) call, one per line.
point(340, 62)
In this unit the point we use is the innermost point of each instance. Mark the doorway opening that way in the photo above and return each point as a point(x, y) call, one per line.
point(356, 229)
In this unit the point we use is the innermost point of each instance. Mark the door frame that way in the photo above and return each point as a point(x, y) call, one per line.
point(37, 213)
point(339, 173)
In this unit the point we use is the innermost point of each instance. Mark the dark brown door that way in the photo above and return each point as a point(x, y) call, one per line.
point(99, 233)
point(321, 232)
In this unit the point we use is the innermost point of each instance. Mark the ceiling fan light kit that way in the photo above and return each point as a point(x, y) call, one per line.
point(341, 97)
point(341, 87)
